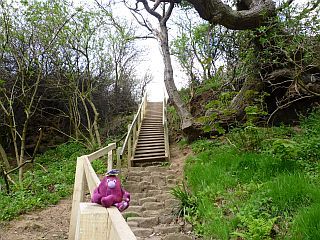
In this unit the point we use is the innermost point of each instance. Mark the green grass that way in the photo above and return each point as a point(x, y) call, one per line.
point(263, 185)
point(306, 225)
point(50, 180)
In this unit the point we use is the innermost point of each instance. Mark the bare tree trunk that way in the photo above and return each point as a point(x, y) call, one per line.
point(186, 118)
point(4, 158)
point(89, 126)
point(95, 122)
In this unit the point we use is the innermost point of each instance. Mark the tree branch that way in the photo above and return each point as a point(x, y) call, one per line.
point(149, 10)
point(217, 12)
point(168, 12)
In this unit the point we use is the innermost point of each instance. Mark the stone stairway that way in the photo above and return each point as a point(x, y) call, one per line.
point(150, 214)
point(150, 147)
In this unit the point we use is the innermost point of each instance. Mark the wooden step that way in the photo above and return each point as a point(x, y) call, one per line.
point(152, 126)
point(158, 139)
point(155, 140)
point(156, 127)
point(147, 151)
point(149, 147)
point(150, 131)
point(151, 135)
point(148, 159)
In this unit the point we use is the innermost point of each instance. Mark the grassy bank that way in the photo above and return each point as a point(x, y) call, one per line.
point(50, 180)
point(255, 183)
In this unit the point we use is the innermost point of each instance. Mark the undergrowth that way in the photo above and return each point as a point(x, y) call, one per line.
point(50, 179)
point(257, 183)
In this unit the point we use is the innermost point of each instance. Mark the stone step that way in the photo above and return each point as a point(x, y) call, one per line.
point(147, 199)
point(141, 232)
point(166, 229)
point(135, 209)
point(148, 160)
point(177, 236)
point(145, 222)
point(153, 205)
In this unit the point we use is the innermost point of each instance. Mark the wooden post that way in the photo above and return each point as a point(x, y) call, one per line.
point(78, 196)
point(92, 222)
point(134, 134)
point(129, 147)
point(118, 158)
point(109, 160)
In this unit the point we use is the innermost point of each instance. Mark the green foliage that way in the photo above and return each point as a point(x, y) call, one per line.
point(261, 186)
point(99, 166)
point(306, 225)
point(173, 120)
point(50, 180)
point(188, 202)
point(211, 84)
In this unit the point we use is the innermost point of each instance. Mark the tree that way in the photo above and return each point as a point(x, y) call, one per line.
point(60, 69)
point(261, 18)
point(165, 8)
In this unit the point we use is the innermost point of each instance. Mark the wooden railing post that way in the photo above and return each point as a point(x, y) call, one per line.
point(118, 158)
point(129, 147)
point(134, 135)
point(165, 128)
point(110, 160)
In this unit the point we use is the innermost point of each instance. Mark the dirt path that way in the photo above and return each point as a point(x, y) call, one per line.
point(53, 223)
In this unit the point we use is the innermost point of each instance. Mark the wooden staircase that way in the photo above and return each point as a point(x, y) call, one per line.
point(150, 148)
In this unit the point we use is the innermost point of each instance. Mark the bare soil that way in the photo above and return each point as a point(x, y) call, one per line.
point(53, 223)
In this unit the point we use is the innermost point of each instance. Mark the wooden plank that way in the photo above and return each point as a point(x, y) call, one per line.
point(149, 159)
point(92, 179)
point(101, 152)
point(93, 223)
point(149, 151)
point(78, 196)
point(118, 158)
point(129, 148)
point(119, 229)
point(149, 147)
point(109, 161)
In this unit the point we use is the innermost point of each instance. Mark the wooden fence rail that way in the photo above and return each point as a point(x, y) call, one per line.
point(133, 132)
point(165, 128)
point(90, 221)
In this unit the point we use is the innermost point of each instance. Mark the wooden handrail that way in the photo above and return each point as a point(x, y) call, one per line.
point(134, 127)
point(101, 152)
point(165, 127)
point(89, 220)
